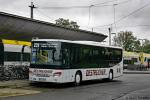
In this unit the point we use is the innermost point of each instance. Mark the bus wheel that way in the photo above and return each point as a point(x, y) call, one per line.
point(78, 79)
point(110, 78)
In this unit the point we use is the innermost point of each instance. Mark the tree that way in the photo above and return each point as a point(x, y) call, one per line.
point(66, 23)
point(146, 46)
point(126, 40)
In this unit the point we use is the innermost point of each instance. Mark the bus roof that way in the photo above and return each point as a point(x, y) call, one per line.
point(92, 43)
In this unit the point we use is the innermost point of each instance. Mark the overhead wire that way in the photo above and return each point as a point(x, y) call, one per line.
point(111, 5)
point(135, 26)
point(89, 7)
point(69, 7)
point(127, 15)
point(105, 2)
point(133, 12)
point(44, 15)
point(98, 5)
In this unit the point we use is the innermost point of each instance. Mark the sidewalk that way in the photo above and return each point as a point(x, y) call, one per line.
point(14, 84)
point(135, 72)
point(137, 95)
point(15, 88)
point(7, 92)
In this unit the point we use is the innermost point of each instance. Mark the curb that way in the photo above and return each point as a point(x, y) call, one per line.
point(13, 84)
point(136, 72)
point(7, 86)
point(17, 92)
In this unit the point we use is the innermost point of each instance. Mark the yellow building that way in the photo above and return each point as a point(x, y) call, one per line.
point(15, 42)
point(136, 58)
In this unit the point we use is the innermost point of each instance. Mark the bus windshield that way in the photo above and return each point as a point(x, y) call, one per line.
point(46, 53)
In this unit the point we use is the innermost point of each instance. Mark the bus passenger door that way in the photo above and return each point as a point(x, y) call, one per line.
point(66, 64)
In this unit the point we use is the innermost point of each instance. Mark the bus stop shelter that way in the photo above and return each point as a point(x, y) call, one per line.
point(21, 28)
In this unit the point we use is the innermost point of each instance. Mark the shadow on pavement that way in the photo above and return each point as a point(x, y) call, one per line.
point(70, 85)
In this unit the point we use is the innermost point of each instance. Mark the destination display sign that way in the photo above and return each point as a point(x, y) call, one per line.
point(45, 45)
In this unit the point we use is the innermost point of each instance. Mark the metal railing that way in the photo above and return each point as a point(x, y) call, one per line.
point(137, 67)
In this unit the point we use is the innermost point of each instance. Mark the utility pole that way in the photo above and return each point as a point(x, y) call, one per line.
point(115, 16)
point(32, 7)
point(92, 29)
point(109, 29)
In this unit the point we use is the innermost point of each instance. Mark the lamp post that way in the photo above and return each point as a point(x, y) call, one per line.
point(90, 13)
point(115, 16)
point(109, 29)
point(114, 12)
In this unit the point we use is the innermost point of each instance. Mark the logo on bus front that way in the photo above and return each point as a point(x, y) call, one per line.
point(41, 73)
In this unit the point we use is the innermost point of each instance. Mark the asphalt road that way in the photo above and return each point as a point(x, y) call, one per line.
point(129, 87)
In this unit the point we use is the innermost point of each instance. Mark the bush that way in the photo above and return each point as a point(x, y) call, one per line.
point(10, 72)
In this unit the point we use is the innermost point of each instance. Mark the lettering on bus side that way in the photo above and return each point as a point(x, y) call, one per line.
point(95, 72)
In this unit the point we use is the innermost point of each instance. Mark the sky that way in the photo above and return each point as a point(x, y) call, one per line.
point(99, 15)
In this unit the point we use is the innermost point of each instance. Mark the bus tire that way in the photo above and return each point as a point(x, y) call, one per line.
point(78, 78)
point(110, 77)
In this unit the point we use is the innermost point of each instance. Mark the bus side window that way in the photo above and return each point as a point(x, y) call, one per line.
point(65, 53)
point(102, 52)
point(106, 55)
point(118, 55)
point(75, 56)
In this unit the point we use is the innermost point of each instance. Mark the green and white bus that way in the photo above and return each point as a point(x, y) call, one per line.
point(62, 61)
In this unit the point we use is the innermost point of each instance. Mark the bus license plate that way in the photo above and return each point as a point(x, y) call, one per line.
point(42, 79)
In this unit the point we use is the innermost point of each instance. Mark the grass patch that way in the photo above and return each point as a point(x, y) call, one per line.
point(16, 92)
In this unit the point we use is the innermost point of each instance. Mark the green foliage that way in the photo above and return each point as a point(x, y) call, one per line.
point(129, 42)
point(126, 40)
point(66, 23)
point(146, 46)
